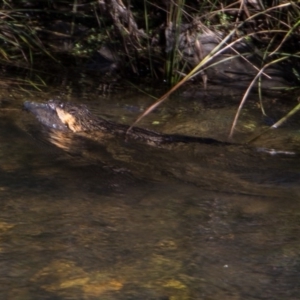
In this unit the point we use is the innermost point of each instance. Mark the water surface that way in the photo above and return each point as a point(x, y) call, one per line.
point(188, 222)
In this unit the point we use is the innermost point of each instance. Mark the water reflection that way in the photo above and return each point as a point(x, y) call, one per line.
point(77, 228)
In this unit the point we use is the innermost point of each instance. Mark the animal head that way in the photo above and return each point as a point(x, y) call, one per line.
point(62, 115)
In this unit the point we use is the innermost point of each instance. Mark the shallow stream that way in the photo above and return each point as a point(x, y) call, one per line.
point(188, 222)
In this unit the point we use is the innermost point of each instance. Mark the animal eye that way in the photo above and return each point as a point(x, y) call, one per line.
point(51, 104)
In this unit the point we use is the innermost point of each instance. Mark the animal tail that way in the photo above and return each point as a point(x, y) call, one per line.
point(177, 138)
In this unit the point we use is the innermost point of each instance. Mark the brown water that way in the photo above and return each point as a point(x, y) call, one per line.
point(191, 222)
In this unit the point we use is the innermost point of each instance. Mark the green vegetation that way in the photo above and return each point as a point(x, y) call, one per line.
point(254, 44)
point(161, 40)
